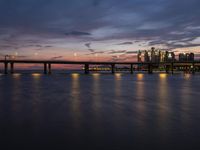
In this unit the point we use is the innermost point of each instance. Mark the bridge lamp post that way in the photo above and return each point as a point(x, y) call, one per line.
point(96, 56)
point(75, 56)
point(6, 57)
point(36, 55)
point(16, 53)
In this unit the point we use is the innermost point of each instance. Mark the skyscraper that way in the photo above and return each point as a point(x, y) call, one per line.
point(139, 56)
point(146, 56)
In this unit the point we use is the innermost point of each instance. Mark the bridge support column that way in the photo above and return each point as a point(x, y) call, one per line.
point(49, 68)
point(167, 69)
point(86, 68)
point(45, 68)
point(11, 67)
point(150, 69)
point(193, 68)
point(131, 68)
point(6, 68)
point(172, 68)
point(113, 68)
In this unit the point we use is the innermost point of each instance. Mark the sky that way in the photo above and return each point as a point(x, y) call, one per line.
point(97, 30)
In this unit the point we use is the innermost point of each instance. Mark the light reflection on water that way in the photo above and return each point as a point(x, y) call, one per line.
point(140, 76)
point(75, 96)
point(36, 76)
point(124, 109)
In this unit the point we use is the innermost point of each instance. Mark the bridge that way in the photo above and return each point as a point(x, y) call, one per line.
point(169, 66)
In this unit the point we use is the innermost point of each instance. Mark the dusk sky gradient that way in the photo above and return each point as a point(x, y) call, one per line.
point(111, 30)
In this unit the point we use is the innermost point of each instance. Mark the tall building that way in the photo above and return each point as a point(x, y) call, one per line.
point(153, 55)
point(162, 56)
point(169, 57)
point(157, 56)
point(182, 57)
point(139, 56)
point(146, 56)
point(186, 57)
point(191, 57)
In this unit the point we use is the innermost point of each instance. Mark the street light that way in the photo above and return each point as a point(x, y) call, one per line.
point(6, 57)
point(96, 56)
point(75, 54)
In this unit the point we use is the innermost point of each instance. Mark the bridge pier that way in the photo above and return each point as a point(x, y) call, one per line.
point(11, 67)
point(45, 68)
point(150, 69)
point(167, 69)
point(86, 68)
point(5, 67)
point(172, 68)
point(49, 68)
point(113, 68)
point(193, 68)
point(131, 68)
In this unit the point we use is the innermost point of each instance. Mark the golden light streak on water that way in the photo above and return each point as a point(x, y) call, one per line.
point(36, 75)
point(163, 76)
point(96, 75)
point(187, 76)
point(16, 75)
point(118, 76)
point(140, 76)
point(75, 75)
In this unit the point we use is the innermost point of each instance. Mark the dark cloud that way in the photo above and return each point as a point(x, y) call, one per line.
point(131, 52)
point(48, 46)
point(87, 45)
point(96, 52)
point(157, 22)
point(117, 51)
point(91, 50)
point(22, 56)
point(125, 43)
point(56, 57)
point(77, 33)
point(123, 58)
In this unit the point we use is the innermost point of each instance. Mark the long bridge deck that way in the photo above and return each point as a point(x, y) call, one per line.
point(150, 65)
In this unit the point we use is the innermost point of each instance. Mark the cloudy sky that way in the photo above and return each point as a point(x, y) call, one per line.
point(97, 29)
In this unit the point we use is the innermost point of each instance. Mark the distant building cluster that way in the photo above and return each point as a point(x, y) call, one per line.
point(157, 56)
point(186, 57)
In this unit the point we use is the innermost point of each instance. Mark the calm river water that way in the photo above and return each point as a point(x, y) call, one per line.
point(100, 111)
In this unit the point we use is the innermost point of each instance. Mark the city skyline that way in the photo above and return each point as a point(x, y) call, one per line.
point(97, 30)
point(99, 74)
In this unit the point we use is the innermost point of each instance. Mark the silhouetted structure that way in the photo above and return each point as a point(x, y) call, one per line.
point(157, 56)
point(169, 57)
point(139, 56)
point(146, 56)
point(186, 57)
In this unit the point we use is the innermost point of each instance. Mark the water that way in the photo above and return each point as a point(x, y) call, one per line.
point(100, 111)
